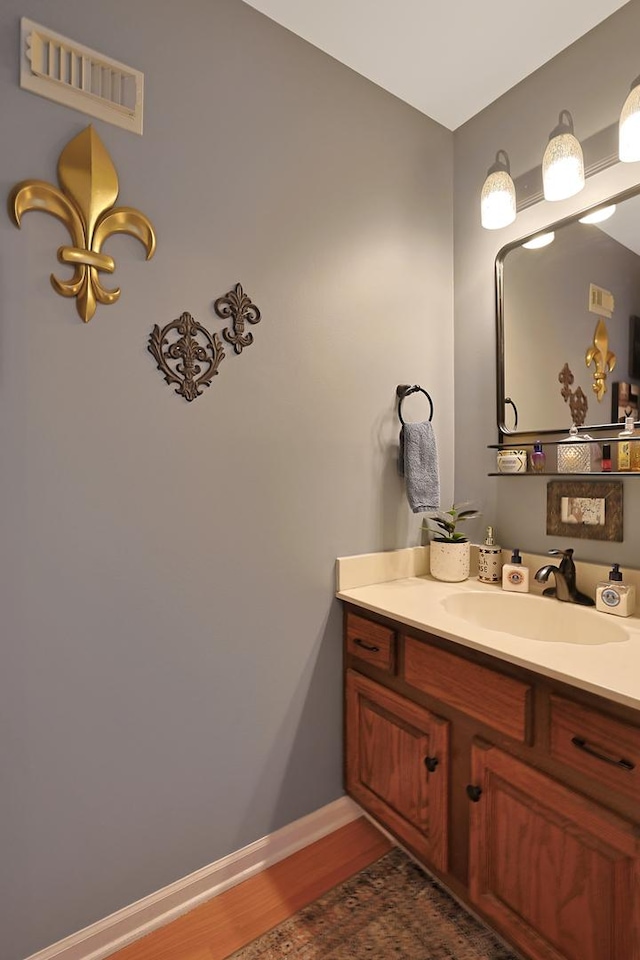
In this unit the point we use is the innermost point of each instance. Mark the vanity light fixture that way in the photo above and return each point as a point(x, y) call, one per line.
point(629, 127)
point(542, 240)
point(498, 198)
point(598, 216)
point(563, 163)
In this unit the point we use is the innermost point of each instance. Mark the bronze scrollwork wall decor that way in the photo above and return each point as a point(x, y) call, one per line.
point(577, 399)
point(181, 360)
point(85, 204)
point(237, 305)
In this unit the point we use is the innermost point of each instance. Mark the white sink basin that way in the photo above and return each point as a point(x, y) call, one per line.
point(535, 618)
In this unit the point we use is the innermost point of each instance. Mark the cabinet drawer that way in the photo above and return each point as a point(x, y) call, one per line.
point(501, 702)
point(597, 745)
point(371, 642)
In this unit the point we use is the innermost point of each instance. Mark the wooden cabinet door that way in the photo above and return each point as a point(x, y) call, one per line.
point(397, 765)
point(557, 874)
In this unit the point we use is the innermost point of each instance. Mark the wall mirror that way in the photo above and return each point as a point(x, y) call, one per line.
point(544, 321)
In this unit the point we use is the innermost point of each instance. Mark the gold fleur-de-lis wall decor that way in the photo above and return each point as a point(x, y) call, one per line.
point(237, 305)
point(85, 204)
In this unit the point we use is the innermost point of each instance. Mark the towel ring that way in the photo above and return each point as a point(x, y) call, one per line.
point(515, 410)
point(404, 390)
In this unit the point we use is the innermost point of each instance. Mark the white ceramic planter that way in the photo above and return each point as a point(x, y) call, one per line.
point(449, 561)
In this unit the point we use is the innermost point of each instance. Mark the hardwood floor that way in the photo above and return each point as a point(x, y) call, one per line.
point(218, 928)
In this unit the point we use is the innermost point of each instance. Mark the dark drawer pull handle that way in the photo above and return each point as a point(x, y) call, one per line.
point(366, 646)
point(474, 793)
point(431, 763)
point(583, 745)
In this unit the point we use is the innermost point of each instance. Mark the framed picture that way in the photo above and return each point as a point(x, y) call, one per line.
point(624, 400)
point(634, 347)
point(589, 510)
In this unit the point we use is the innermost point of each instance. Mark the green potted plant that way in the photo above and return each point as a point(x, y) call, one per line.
point(450, 551)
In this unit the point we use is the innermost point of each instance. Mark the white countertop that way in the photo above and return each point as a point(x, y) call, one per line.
point(609, 669)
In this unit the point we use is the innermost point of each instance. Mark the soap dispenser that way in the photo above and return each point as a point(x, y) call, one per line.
point(614, 596)
point(514, 575)
point(489, 559)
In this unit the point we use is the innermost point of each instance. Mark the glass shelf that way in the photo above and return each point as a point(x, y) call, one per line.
point(526, 444)
point(596, 475)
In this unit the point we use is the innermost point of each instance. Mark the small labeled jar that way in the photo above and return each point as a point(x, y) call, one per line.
point(512, 461)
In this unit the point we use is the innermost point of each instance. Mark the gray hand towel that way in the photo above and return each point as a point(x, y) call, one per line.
point(418, 462)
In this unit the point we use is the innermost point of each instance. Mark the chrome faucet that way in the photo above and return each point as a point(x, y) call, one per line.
point(565, 577)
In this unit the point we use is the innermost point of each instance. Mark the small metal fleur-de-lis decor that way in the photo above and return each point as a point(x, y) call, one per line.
point(187, 355)
point(237, 305)
point(85, 204)
point(577, 399)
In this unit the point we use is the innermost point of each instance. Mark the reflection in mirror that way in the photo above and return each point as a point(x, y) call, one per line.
point(545, 323)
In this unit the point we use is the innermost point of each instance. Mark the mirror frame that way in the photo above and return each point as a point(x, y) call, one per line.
point(503, 430)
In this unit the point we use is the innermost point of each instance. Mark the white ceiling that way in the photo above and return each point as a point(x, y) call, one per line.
point(447, 59)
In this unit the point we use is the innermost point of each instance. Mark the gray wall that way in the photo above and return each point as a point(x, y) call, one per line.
point(171, 660)
point(591, 79)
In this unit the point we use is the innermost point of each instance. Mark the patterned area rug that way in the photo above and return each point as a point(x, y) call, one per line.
point(391, 909)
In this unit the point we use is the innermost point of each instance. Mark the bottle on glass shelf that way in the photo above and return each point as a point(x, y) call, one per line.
point(605, 463)
point(538, 458)
point(625, 443)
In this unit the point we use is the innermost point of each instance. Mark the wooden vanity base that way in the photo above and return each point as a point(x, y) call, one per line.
point(521, 793)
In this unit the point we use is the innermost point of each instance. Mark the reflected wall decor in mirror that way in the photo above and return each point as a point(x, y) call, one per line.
point(549, 318)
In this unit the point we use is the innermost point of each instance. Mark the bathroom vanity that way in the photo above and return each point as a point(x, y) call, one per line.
point(509, 765)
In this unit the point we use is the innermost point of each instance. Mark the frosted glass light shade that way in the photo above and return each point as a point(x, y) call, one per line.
point(562, 167)
point(498, 201)
point(629, 129)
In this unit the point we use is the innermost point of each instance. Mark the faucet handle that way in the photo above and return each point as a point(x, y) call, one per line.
point(567, 566)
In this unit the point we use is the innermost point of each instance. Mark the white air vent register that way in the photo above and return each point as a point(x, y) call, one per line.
point(62, 70)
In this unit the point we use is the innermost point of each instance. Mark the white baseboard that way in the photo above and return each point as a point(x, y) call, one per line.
point(137, 920)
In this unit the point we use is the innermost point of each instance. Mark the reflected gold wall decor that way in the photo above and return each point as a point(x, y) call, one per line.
point(237, 305)
point(180, 361)
point(602, 358)
point(601, 302)
point(85, 204)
